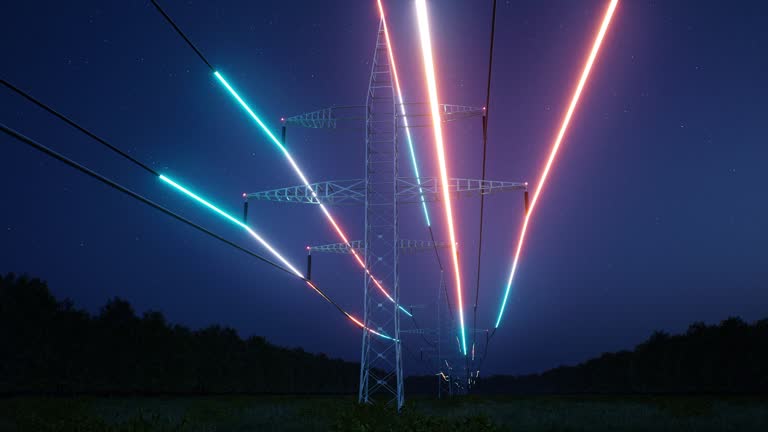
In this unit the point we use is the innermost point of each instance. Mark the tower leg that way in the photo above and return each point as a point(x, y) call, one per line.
point(381, 369)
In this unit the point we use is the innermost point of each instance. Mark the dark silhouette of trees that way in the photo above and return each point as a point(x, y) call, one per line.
point(731, 357)
point(50, 347)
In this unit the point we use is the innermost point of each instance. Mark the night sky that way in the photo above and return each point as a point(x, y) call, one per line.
point(655, 214)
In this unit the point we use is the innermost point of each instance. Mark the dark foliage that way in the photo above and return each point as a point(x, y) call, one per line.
point(49, 347)
point(731, 357)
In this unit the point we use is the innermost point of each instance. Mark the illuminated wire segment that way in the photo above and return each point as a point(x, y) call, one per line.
point(390, 49)
point(222, 213)
point(120, 188)
point(285, 152)
point(555, 147)
point(303, 178)
point(267, 246)
point(429, 69)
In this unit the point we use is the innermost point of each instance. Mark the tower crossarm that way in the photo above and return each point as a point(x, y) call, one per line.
point(344, 116)
point(419, 116)
point(337, 192)
point(350, 192)
point(407, 246)
point(329, 118)
point(340, 248)
point(412, 246)
point(431, 188)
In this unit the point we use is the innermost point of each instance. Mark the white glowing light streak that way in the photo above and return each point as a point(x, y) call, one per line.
point(253, 233)
point(303, 178)
point(429, 68)
point(555, 147)
point(415, 165)
point(266, 245)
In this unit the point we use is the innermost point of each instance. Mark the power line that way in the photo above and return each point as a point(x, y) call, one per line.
point(183, 36)
point(445, 286)
point(556, 146)
point(281, 146)
point(178, 187)
point(409, 139)
point(123, 189)
point(429, 71)
point(485, 149)
point(61, 116)
point(93, 174)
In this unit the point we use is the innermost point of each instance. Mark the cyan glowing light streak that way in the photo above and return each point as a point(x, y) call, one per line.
point(361, 325)
point(235, 221)
point(556, 146)
point(390, 49)
point(267, 246)
point(303, 178)
point(429, 69)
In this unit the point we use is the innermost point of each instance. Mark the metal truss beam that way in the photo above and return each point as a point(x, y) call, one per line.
point(406, 246)
point(339, 117)
point(352, 192)
point(338, 192)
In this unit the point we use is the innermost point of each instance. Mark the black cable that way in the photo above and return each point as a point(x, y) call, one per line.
point(105, 180)
point(485, 150)
point(485, 352)
point(189, 42)
point(78, 127)
point(181, 33)
point(156, 206)
point(125, 155)
point(429, 365)
point(445, 286)
point(418, 327)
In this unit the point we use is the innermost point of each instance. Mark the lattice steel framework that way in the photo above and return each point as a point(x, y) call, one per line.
point(381, 363)
point(341, 192)
point(381, 192)
point(350, 116)
point(406, 246)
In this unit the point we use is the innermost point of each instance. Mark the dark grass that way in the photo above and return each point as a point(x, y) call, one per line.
point(335, 413)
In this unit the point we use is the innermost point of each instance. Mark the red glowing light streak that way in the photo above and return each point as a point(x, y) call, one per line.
point(415, 165)
point(556, 146)
point(429, 69)
point(303, 178)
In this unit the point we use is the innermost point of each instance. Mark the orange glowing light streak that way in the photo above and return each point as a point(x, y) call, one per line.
point(556, 146)
point(429, 69)
point(348, 315)
point(303, 178)
point(400, 98)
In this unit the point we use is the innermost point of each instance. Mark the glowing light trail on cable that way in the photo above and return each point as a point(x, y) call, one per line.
point(555, 147)
point(429, 69)
point(303, 178)
point(402, 113)
point(267, 246)
point(235, 221)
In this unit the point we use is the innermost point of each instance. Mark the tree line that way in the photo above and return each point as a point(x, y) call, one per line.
point(729, 357)
point(51, 347)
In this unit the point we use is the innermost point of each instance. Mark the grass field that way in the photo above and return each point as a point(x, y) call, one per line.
point(253, 413)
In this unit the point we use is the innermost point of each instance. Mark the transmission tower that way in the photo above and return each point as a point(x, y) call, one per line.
point(381, 193)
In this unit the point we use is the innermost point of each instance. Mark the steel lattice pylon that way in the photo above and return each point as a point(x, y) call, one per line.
point(353, 192)
point(381, 363)
point(381, 192)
